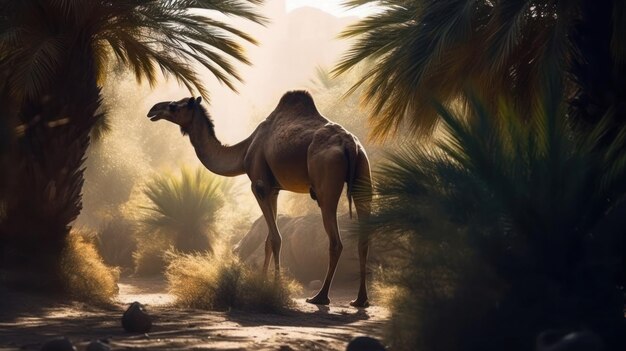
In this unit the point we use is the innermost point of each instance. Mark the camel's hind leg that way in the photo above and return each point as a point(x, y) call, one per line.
point(363, 204)
point(328, 183)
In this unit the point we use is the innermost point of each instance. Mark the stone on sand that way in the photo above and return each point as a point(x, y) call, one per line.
point(58, 344)
point(97, 345)
point(573, 341)
point(315, 284)
point(365, 343)
point(136, 319)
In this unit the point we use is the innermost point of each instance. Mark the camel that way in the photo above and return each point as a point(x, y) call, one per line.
point(294, 149)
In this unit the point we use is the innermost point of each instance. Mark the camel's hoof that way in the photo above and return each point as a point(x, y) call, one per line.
point(360, 303)
point(319, 300)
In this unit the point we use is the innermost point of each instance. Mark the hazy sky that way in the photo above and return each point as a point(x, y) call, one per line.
point(331, 6)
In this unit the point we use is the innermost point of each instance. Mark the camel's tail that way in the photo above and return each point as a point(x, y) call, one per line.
point(352, 153)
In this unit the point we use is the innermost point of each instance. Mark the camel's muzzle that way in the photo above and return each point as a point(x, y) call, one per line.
point(157, 110)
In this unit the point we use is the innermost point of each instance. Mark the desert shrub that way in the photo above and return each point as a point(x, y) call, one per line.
point(222, 282)
point(509, 227)
point(181, 213)
point(183, 208)
point(149, 255)
point(116, 242)
point(83, 273)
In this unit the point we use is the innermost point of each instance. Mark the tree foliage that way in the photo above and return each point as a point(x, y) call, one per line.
point(510, 227)
point(425, 50)
point(53, 59)
point(147, 36)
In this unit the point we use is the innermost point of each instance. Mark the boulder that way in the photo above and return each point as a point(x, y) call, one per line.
point(365, 343)
point(569, 341)
point(58, 344)
point(304, 253)
point(136, 319)
point(315, 284)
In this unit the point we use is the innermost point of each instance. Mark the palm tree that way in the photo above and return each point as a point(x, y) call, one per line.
point(54, 54)
point(425, 50)
point(511, 227)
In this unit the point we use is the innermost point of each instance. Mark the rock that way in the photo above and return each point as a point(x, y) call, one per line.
point(59, 344)
point(304, 253)
point(136, 319)
point(97, 345)
point(365, 343)
point(573, 341)
point(315, 284)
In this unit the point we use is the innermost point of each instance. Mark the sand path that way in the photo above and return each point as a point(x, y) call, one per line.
point(27, 322)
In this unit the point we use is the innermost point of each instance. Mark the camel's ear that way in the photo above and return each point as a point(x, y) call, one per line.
point(193, 101)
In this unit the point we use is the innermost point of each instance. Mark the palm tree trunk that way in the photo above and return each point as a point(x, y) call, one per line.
point(6, 138)
point(43, 195)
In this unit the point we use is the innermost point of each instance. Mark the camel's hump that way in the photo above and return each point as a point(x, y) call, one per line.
point(300, 99)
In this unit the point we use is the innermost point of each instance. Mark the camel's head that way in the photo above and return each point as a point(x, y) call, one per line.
point(179, 112)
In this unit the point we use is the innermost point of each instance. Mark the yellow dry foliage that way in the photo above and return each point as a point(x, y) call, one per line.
point(84, 274)
point(219, 281)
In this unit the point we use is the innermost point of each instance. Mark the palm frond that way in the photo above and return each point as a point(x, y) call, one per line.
point(618, 43)
point(527, 201)
point(425, 50)
point(35, 66)
point(101, 127)
point(145, 35)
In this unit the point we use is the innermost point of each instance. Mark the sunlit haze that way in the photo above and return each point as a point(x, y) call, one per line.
point(331, 6)
point(300, 39)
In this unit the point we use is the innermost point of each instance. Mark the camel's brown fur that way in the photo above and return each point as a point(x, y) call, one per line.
point(294, 149)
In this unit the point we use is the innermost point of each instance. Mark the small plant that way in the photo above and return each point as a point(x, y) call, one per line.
point(221, 282)
point(149, 256)
point(184, 208)
point(116, 242)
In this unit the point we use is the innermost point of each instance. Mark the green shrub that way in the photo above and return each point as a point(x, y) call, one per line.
point(116, 242)
point(510, 226)
point(184, 208)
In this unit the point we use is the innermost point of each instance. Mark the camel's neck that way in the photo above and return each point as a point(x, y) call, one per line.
point(217, 158)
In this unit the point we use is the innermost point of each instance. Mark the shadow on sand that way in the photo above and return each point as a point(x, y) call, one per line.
point(27, 321)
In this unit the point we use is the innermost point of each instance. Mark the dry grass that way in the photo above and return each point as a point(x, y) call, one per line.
point(83, 273)
point(149, 257)
point(221, 282)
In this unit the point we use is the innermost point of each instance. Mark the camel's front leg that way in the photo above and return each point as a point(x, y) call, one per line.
point(268, 253)
point(267, 199)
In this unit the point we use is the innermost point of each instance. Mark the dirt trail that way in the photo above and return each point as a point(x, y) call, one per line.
point(307, 327)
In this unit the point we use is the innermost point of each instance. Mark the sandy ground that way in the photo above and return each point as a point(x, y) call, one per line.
point(27, 325)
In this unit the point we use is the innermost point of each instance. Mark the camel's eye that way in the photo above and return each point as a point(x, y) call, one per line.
point(172, 107)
